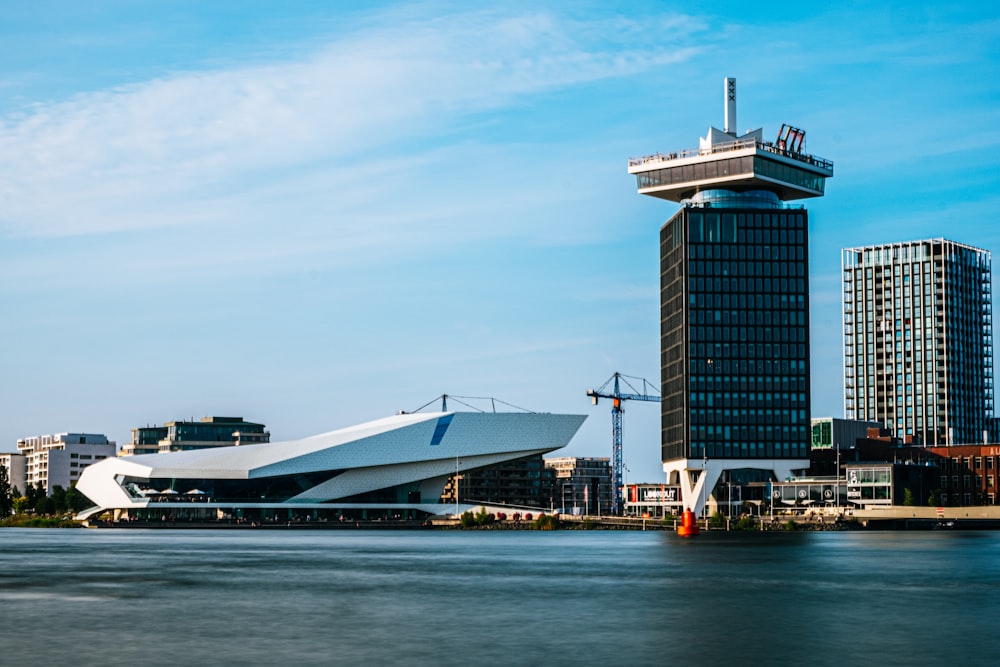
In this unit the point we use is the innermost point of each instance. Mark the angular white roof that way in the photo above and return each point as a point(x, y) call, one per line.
point(370, 456)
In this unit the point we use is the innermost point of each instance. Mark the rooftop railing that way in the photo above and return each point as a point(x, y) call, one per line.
point(737, 145)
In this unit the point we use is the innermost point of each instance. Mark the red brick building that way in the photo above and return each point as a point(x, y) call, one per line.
point(968, 472)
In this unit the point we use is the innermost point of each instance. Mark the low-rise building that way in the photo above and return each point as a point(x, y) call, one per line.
point(582, 484)
point(523, 482)
point(58, 460)
point(181, 436)
point(968, 473)
point(654, 500)
point(834, 433)
point(873, 484)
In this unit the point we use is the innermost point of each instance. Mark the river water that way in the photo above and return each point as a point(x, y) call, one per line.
point(186, 597)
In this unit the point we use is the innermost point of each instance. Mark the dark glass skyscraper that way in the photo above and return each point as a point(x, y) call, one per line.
point(734, 304)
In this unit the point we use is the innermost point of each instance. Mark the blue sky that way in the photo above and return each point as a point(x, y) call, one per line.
point(311, 215)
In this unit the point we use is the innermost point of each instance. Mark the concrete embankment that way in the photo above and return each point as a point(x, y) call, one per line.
point(889, 518)
point(898, 517)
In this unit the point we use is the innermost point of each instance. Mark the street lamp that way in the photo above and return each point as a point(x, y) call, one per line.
point(704, 491)
point(456, 486)
point(729, 497)
point(838, 478)
point(770, 500)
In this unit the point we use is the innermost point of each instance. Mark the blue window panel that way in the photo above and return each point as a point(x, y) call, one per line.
point(440, 429)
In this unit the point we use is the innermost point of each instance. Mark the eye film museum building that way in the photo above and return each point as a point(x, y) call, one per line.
point(392, 467)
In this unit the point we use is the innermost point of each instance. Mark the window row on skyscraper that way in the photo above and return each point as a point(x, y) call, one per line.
point(744, 351)
point(713, 424)
point(742, 366)
point(753, 399)
point(702, 264)
point(775, 442)
point(761, 253)
point(730, 330)
point(746, 293)
point(794, 381)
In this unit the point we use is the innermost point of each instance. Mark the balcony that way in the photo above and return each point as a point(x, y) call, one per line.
point(737, 145)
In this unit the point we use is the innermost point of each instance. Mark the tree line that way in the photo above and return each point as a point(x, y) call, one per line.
point(35, 500)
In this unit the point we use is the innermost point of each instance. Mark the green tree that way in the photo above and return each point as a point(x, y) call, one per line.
point(935, 498)
point(58, 499)
point(908, 499)
point(45, 505)
point(484, 518)
point(76, 501)
point(20, 504)
point(6, 493)
point(34, 494)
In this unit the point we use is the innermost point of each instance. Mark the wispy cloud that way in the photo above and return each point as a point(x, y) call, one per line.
point(190, 148)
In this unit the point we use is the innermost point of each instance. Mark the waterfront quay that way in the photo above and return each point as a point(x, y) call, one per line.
point(448, 522)
point(985, 517)
point(886, 518)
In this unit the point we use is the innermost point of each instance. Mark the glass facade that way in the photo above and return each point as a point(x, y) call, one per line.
point(211, 429)
point(264, 489)
point(735, 334)
point(822, 434)
point(745, 166)
point(698, 171)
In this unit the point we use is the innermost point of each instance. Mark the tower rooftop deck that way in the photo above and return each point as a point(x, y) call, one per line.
point(637, 164)
point(746, 163)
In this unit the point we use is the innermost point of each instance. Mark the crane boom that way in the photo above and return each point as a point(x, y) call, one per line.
point(617, 396)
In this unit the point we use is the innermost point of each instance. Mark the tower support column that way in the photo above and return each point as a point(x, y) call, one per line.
point(698, 477)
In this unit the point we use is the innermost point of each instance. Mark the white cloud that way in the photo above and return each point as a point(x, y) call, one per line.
point(194, 147)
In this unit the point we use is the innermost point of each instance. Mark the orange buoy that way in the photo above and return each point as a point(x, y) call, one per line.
point(689, 525)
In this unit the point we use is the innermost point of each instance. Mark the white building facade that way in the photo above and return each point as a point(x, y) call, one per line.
point(60, 459)
point(17, 470)
point(395, 467)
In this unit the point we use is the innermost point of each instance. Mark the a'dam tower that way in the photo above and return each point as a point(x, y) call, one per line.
point(734, 306)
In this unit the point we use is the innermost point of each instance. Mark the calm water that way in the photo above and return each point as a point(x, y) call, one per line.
point(489, 598)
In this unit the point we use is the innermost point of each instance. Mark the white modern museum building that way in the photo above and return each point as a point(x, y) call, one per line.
point(395, 467)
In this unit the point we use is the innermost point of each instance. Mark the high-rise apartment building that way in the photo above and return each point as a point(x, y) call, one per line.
point(918, 340)
point(734, 304)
